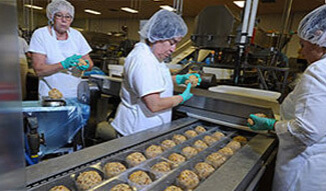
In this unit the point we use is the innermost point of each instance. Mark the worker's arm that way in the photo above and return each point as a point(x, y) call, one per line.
point(43, 69)
point(155, 103)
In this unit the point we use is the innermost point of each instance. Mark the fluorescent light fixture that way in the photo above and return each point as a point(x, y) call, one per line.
point(130, 10)
point(92, 12)
point(167, 7)
point(33, 7)
point(79, 29)
point(240, 4)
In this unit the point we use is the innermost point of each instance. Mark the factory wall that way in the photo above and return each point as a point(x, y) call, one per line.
point(267, 22)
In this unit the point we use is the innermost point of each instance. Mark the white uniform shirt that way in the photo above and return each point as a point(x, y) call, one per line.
point(301, 158)
point(23, 48)
point(43, 42)
point(143, 75)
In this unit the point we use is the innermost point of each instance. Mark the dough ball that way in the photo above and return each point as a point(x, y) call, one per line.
point(135, 159)
point(178, 139)
point(209, 140)
point(241, 139)
point(153, 150)
point(189, 152)
point(162, 167)
point(176, 159)
point(188, 179)
point(200, 145)
point(173, 188)
point(140, 177)
point(114, 168)
point(191, 134)
point(121, 187)
point(193, 80)
point(82, 62)
point(60, 188)
point(88, 179)
point(234, 145)
point(215, 159)
point(55, 94)
point(204, 169)
point(168, 144)
point(218, 135)
point(200, 129)
point(226, 151)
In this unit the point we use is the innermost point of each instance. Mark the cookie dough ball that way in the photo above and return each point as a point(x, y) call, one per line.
point(114, 168)
point(200, 129)
point(60, 188)
point(153, 150)
point(188, 179)
point(55, 94)
point(226, 151)
point(251, 122)
point(218, 135)
point(215, 159)
point(209, 140)
point(200, 145)
point(204, 169)
point(162, 167)
point(178, 139)
point(176, 159)
point(168, 144)
point(121, 187)
point(234, 145)
point(241, 139)
point(189, 152)
point(193, 80)
point(173, 188)
point(88, 179)
point(135, 159)
point(191, 134)
point(140, 177)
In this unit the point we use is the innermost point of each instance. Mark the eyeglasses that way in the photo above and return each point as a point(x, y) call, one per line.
point(60, 16)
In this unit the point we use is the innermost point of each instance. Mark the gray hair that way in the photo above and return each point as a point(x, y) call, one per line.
point(57, 6)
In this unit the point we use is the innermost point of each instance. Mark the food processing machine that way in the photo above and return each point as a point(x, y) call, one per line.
point(214, 111)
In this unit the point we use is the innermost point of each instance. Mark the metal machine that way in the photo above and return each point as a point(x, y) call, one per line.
point(213, 111)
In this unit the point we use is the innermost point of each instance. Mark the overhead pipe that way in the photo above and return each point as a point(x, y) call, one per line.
point(285, 22)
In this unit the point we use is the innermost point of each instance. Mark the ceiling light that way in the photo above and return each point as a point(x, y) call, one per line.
point(130, 10)
point(92, 12)
point(33, 7)
point(167, 7)
point(239, 3)
point(157, 0)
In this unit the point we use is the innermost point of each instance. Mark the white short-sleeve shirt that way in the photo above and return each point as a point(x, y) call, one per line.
point(43, 42)
point(143, 75)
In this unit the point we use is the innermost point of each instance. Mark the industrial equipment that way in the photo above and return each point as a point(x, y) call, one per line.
point(214, 111)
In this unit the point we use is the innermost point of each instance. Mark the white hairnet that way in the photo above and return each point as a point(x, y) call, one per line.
point(163, 25)
point(312, 27)
point(58, 6)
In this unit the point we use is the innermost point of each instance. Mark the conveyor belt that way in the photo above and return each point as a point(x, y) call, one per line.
point(236, 172)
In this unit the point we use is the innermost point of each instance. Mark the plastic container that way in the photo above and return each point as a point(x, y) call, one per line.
point(247, 92)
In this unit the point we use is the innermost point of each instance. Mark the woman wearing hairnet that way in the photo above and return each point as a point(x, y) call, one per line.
point(301, 159)
point(147, 89)
point(57, 49)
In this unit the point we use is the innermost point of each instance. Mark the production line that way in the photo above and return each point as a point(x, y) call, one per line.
point(207, 109)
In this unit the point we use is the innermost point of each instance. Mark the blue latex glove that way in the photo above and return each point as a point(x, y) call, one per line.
point(261, 123)
point(186, 94)
point(83, 67)
point(70, 61)
point(181, 78)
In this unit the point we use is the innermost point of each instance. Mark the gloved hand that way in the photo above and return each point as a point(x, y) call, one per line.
point(70, 61)
point(261, 123)
point(83, 67)
point(186, 94)
point(181, 78)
